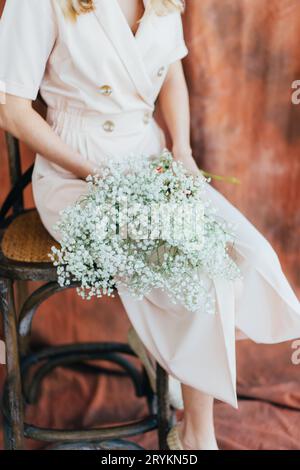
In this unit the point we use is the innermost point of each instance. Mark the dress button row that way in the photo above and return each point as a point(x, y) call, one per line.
point(161, 71)
point(147, 117)
point(109, 126)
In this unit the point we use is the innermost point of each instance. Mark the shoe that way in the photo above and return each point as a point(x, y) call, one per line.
point(175, 394)
point(173, 439)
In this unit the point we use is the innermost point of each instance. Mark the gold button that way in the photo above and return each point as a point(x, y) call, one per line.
point(160, 71)
point(106, 90)
point(147, 117)
point(108, 126)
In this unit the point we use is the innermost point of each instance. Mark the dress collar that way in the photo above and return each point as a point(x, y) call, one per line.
point(128, 46)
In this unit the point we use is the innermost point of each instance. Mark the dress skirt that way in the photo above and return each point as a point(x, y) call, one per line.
point(196, 348)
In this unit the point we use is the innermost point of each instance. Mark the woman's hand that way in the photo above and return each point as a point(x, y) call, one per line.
point(90, 168)
point(184, 154)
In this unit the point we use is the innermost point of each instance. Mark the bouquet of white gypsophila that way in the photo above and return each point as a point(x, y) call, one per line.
point(145, 223)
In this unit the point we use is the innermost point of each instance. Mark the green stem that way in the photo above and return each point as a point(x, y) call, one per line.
point(229, 179)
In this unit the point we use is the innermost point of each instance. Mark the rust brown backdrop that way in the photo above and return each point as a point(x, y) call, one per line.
point(244, 55)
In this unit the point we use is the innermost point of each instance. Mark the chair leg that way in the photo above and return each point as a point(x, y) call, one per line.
point(6, 434)
point(22, 292)
point(163, 406)
point(14, 419)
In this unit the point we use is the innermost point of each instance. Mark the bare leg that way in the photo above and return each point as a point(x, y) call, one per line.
point(196, 430)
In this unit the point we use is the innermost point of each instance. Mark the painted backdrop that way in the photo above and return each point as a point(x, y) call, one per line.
point(244, 56)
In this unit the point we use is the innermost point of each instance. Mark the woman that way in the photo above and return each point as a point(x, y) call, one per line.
point(100, 73)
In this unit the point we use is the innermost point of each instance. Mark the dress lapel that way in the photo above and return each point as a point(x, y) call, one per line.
point(127, 46)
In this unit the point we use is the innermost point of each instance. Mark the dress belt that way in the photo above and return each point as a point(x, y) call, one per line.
point(130, 122)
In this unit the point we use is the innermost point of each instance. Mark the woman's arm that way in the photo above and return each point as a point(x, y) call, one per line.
point(174, 103)
point(19, 118)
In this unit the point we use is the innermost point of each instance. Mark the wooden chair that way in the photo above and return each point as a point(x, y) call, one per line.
point(23, 257)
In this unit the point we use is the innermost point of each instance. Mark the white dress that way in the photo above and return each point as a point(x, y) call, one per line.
point(100, 83)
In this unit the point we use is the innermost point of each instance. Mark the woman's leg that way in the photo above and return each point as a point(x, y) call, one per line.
point(196, 430)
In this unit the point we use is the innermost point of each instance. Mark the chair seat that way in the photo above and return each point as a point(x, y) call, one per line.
point(27, 240)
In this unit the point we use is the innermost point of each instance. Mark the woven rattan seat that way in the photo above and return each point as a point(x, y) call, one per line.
point(27, 240)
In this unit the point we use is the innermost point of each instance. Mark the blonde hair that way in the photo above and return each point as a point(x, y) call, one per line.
point(74, 8)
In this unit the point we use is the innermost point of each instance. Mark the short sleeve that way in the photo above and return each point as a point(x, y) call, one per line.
point(180, 49)
point(27, 36)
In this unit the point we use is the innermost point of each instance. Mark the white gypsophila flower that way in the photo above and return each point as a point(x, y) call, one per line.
point(145, 223)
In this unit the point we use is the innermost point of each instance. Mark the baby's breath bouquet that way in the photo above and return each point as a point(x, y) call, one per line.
point(145, 223)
